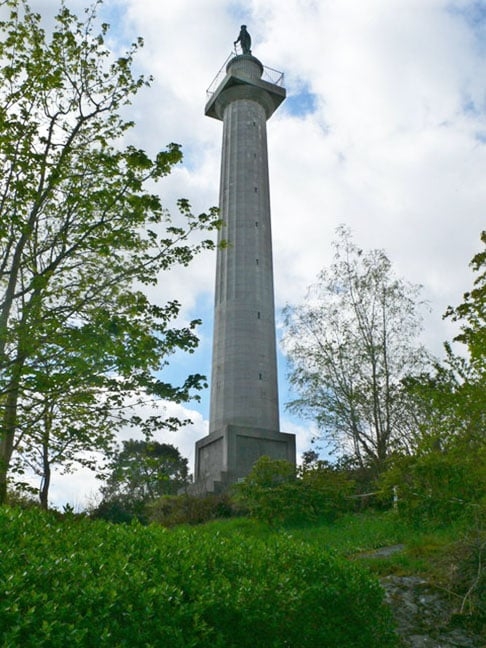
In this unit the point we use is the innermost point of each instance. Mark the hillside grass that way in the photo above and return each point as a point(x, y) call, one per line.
point(426, 550)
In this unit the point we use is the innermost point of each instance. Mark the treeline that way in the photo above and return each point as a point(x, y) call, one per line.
point(412, 424)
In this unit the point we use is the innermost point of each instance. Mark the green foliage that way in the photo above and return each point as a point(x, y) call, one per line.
point(350, 344)
point(274, 493)
point(450, 405)
point(85, 583)
point(472, 313)
point(269, 492)
point(469, 579)
point(326, 492)
point(171, 510)
point(437, 487)
point(120, 511)
point(82, 229)
point(450, 557)
point(140, 472)
point(145, 470)
point(446, 476)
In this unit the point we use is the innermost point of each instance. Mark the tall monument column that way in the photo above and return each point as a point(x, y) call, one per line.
point(244, 414)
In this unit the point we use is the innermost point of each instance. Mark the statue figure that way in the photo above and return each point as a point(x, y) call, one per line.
point(245, 40)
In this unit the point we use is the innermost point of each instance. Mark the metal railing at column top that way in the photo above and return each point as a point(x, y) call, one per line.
point(269, 74)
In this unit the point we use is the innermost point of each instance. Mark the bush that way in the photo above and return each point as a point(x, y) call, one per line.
point(120, 511)
point(88, 583)
point(436, 487)
point(171, 510)
point(168, 510)
point(326, 492)
point(270, 491)
point(469, 577)
point(273, 493)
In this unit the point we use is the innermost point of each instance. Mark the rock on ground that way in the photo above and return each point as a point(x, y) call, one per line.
point(424, 615)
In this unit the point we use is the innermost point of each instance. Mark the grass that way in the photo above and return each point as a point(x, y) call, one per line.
point(355, 536)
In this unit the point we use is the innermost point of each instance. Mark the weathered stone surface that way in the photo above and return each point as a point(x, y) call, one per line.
point(424, 615)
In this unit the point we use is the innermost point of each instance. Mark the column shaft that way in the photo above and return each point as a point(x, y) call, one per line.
point(244, 370)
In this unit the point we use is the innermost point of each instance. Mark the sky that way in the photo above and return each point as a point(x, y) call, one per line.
point(383, 130)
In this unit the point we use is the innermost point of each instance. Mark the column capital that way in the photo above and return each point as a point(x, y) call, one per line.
point(244, 72)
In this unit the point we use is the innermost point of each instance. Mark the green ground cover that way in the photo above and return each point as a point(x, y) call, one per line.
point(78, 582)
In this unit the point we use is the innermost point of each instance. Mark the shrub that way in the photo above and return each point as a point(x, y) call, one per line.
point(270, 492)
point(120, 511)
point(469, 577)
point(88, 583)
point(326, 492)
point(273, 492)
point(436, 487)
point(171, 510)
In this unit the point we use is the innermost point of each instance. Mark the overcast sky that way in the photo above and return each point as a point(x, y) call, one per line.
point(383, 129)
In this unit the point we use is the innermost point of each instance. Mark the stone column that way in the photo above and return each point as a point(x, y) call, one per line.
point(244, 412)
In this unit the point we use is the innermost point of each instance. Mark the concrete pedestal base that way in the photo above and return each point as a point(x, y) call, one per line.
point(227, 455)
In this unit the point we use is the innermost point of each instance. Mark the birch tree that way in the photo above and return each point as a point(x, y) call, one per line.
point(350, 344)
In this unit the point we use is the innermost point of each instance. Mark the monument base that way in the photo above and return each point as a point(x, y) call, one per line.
point(226, 456)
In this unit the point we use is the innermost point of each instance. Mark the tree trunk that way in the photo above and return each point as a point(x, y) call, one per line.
point(46, 482)
point(8, 429)
point(46, 464)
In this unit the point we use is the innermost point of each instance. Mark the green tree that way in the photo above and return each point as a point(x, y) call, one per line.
point(350, 344)
point(142, 471)
point(449, 403)
point(79, 229)
point(60, 429)
point(458, 388)
point(446, 476)
point(471, 314)
point(452, 398)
